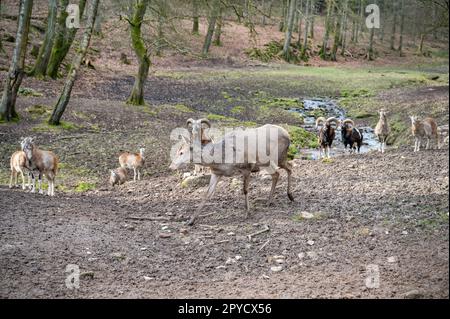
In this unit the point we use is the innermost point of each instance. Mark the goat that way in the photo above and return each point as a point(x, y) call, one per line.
point(326, 135)
point(248, 160)
point(351, 136)
point(426, 128)
point(134, 162)
point(45, 162)
point(199, 135)
point(382, 130)
point(18, 164)
point(118, 176)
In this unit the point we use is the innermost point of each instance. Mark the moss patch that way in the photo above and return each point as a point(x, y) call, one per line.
point(83, 187)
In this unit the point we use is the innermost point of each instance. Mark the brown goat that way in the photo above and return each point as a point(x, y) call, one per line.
point(426, 128)
point(134, 162)
point(327, 135)
point(43, 161)
point(18, 165)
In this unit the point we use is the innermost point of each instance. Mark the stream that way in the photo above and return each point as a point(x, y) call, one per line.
point(329, 109)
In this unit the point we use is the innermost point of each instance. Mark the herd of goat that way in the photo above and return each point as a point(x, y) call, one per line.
point(33, 160)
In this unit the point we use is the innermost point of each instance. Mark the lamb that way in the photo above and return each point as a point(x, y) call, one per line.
point(134, 162)
point(43, 161)
point(382, 130)
point(426, 128)
point(18, 165)
point(246, 160)
point(199, 135)
point(118, 176)
point(351, 136)
point(326, 135)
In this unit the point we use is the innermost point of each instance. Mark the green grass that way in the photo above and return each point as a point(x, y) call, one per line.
point(183, 108)
point(220, 118)
point(23, 91)
point(300, 138)
point(63, 126)
point(83, 187)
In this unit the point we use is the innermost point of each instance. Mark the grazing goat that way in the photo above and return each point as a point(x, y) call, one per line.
point(382, 130)
point(326, 135)
point(43, 161)
point(134, 162)
point(18, 165)
point(248, 159)
point(118, 176)
point(351, 136)
point(426, 128)
point(199, 135)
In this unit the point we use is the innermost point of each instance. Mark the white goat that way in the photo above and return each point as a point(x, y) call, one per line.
point(133, 161)
point(382, 130)
point(43, 161)
point(245, 160)
point(426, 128)
point(18, 164)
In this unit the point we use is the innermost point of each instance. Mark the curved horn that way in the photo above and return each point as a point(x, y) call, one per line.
point(190, 122)
point(333, 119)
point(319, 121)
point(206, 121)
point(348, 121)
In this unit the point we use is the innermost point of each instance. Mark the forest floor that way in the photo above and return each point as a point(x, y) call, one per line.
point(389, 212)
point(352, 216)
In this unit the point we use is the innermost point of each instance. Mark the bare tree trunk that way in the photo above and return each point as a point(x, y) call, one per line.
point(56, 57)
point(337, 36)
point(313, 18)
point(59, 55)
point(16, 72)
point(371, 51)
point(218, 31)
point(326, 37)
point(137, 93)
point(211, 27)
point(394, 24)
point(307, 21)
point(300, 21)
point(195, 17)
point(402, 26)
point(289, 30)
point(41, 64)
point(61, 105)
point(343, 40)
point(285, 8)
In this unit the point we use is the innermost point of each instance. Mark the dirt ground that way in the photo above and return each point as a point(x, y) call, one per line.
point(351, 215)
point(390, 211)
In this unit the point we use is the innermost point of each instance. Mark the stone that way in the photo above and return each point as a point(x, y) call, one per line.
point(392, 259)
point(306, 215)
point(310, 242)
point(196, 181)
point(276, 268)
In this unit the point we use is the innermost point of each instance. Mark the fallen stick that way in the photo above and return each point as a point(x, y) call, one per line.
point(264, 245)
point(265, 230)
point(206, 215)
point(166, 219)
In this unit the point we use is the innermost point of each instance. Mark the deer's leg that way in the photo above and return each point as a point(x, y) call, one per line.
point(11, 179)
point(245, 189)
point(134, 177)
point(23, 179)
point(33, 183)
point(275, 177)
point(209, 194)
point(139, 174)
point(288, 168)
point(40, 183)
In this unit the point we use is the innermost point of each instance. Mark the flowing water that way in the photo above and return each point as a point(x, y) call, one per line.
point(315, 108)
